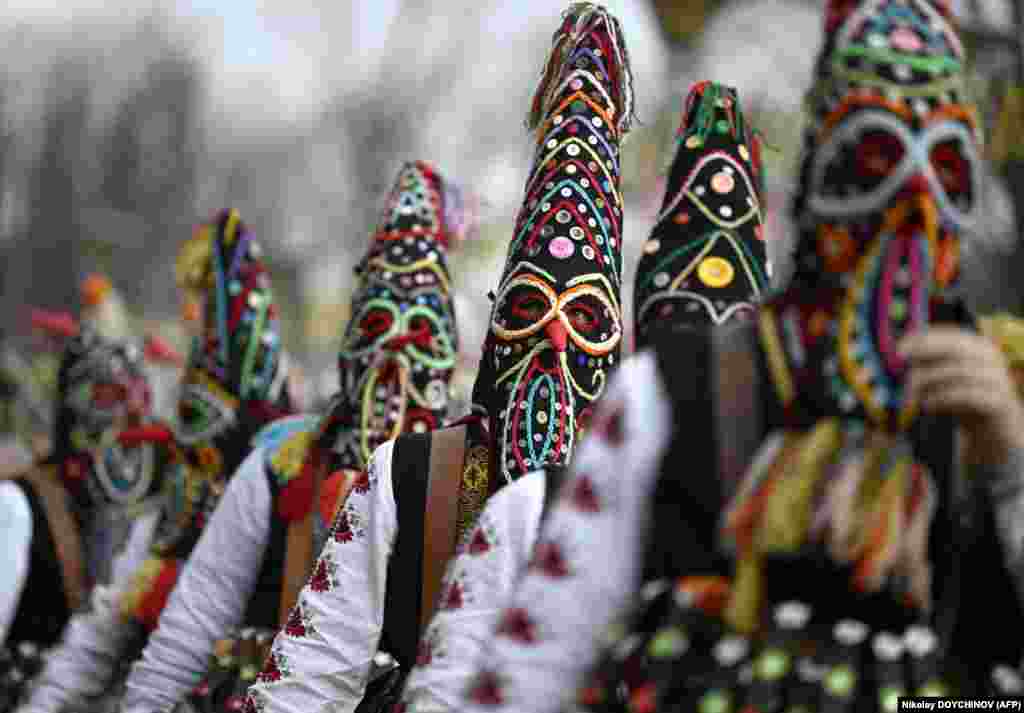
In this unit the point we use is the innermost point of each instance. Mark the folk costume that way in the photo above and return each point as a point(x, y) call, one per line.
point(99, 382)
point(831, 490)
point(704, 264)
point(233, 386)
point(395, 365)
point(57, 515)
point(554, 338)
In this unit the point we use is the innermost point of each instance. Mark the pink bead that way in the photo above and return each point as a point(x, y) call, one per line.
point(906, 40)
point(561, 248)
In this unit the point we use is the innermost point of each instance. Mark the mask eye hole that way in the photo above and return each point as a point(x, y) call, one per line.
point(582, 318)
point(529, 307)
point(107, 395)
point(376, 323)
point(952, 169)
point(878, 153)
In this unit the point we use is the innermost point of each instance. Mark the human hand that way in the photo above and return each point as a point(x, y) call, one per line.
point(964, 375)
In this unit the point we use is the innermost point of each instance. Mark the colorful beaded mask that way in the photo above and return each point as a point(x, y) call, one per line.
point(890, 179)
point(400, 347)
point(236, 367)
point(100, 383)
point(556, 322)
point(705, 261)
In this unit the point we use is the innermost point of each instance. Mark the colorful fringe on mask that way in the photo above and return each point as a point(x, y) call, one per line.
point(857, 493)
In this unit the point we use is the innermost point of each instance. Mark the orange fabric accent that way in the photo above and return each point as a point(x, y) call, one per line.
point(154, 600)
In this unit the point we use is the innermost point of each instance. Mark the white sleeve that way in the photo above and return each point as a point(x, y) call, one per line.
point(209, 599)
point(476, 587)
point(321, 659)
point(16, 534)
point(84, 664)
point(586, 562)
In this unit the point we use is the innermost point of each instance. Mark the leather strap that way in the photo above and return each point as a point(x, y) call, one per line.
point(299, 556)
point(64, 531)
point(298, 563)
point(447, 452)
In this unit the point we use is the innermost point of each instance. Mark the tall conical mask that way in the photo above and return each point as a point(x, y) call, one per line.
point(890, 181)
point(556, 325)
point(236, 371)
point(705, 261)
point(399, 349)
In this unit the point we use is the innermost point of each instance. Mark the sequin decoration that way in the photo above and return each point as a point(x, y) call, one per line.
point(710, 264)
point(891, 178)
point(399, 349)
point(556, 321)
point(233, 386)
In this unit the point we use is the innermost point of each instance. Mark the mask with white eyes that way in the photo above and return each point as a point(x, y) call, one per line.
point(889, 185)
point(705, 261)
point(400, 347)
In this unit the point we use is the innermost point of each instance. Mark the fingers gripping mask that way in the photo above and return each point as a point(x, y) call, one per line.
point(705, 261)
point(399, 350)
point(556, 327)
point(101, 385)
point(236, 369)
point(890, 182)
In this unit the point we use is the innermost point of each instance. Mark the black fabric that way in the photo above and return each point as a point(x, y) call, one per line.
point(43, 609)
point(686, 500)
point(410, 474)
point(970, 578)
point(263, 609)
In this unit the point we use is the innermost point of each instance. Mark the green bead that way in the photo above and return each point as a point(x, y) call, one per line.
point(888, 698)
point(840, 681)
point(714, 701)
point(772, 664)
point(722, 126)
point(668, 643)
point(933, 689)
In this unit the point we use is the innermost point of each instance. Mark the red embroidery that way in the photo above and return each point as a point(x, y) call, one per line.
point(424, 653)
point(549, 559)
point(362, 484)
point(342, 530)
point(517, 624)
point(399, 708)
point(479, 544)
point(453, 599)
point(297, 624)
point(608, 424)
point(274, 669)
point(322, 581)
point(584, 495)
point(487, 690)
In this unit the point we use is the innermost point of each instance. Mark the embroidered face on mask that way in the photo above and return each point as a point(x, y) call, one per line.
point(236, 371)
point(890, 182)
point(556, 326)
point(705, 261)
point(400, 347)
point(102, 388)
